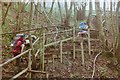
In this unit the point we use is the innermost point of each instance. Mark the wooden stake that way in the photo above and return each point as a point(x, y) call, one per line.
point(61, 51)
point(43, 52)
point(53, 56)
point(73, 43)
point(74, 28)
point(82, 52)
point(89, 45)
point(47, 76)
point(29, 62)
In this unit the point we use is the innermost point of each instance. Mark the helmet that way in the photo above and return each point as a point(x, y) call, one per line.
point(83, 25)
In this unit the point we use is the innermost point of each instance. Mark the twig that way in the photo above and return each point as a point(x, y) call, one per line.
point(47, 16)
point(6, 13)
point(94, 63)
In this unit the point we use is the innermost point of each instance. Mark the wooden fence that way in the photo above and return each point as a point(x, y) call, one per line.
point(61, 42)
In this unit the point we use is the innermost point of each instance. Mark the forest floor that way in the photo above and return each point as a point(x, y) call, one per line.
point(73, 68)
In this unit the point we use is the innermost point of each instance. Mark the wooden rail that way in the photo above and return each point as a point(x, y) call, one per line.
point(61, 51)
point(29, 55)
point(19, 74)
point(23, 31)
point(58, 32)
point(57, 42)
point(35, 41)
point(12, 59)
point(32, 30)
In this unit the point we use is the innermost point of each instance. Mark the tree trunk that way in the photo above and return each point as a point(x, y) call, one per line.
point(66, 10)
point(4, 14)
point(53, 1)
point(17, 18)
point(36, 16)
point(68, 13)
point(104, 25)
point(22, 14)
point(90, 12)
point(66, 7)
point(60, 11)
point(99, 21)
point(118, 48)
point(111, 25)
point(44, 4)
point(81, 11)
point(75, 14)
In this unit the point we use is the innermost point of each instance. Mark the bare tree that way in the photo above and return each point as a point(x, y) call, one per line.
point(36, 15)
point(90, 13)
point(66, 9)
point(60, 11)
point(18, 17)
point(81, 10)
point(68, 12)
point(44, 4)
point(4, 13)
point(99, 20)
point(53, 1)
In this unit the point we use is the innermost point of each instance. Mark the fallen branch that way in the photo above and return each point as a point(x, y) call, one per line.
point(42, 72)
point(94, 63)
point(36, 71)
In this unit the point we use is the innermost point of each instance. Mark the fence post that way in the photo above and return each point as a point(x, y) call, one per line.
point(89, 45)
point(43, 53)
point(29, 62)
point(61, 51)
point(82, 52)
point(73, 43)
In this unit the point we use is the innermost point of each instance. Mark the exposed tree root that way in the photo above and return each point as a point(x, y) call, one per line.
point(94, 63)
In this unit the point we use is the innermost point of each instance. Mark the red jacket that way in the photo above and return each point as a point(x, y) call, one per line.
point(18, 47)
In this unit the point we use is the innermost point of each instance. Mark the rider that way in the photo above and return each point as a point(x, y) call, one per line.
point(19, 43)
point(83, 28)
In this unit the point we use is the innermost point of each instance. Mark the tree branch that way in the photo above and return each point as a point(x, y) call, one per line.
point(94, 63)
point(3, 21)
